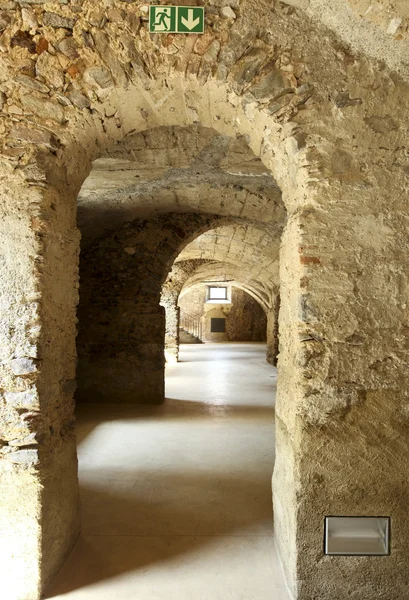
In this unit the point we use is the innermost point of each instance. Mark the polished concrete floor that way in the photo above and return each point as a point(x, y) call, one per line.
point(176, 499)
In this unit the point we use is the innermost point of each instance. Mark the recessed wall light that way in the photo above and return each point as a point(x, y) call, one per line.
point(359, 536)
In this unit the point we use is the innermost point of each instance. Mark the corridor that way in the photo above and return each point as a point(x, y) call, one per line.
point(176, 499)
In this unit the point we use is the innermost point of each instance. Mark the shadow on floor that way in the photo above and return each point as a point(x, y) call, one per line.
point(171, 410)
point(135, 520)
point(141, 516)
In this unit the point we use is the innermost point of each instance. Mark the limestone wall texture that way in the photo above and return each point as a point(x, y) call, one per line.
point(319, 93)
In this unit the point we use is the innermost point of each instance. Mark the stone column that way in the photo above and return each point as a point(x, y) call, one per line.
point(272, 331)
point(341, 415)
point(39, 516)
point(124, 359)
point(121, 324)
point(172, 315)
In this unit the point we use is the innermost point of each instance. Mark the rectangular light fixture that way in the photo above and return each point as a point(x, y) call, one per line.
point(357, 536)
point(217, 293)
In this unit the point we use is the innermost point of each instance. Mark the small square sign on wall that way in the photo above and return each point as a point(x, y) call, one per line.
point(190, 19)
point(176, 19)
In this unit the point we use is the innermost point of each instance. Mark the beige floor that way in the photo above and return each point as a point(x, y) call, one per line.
point(176, 500)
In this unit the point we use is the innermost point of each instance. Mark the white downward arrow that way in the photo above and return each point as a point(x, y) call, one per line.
point(190, 22)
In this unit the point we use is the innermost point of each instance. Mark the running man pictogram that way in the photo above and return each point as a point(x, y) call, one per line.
point(163, 19)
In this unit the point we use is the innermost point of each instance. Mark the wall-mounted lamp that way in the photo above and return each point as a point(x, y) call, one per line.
point(359, 536)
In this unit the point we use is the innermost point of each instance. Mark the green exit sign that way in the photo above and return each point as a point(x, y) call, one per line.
point(176, 19)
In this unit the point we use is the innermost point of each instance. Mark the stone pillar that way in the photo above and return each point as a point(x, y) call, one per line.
point(39, 516)
point(124, 359)
point(121, 330)
point(172, 315)
point(341, 415)
point(272, 332)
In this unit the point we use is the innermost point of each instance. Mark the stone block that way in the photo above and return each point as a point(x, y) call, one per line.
point(23, 366)
point(55, 20)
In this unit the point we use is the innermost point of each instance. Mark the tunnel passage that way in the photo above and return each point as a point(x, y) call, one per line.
point(121, 333)
point(241, 253)
point(170, 178)
point(239, 318)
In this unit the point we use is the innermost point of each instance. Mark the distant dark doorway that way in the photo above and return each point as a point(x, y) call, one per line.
point(218, 325)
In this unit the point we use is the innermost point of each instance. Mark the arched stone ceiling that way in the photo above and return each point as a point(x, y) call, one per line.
point(177, 277)
point(175, 169)
point(215, 273)
point(254, 250)
point(242, 252)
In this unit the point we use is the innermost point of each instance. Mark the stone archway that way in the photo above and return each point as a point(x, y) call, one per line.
point(245, 253)
point(341, 410)
point(54, 216)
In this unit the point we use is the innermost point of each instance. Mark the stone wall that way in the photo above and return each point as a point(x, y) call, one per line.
point(39, 512)
point(172, 322)
point(247, 320)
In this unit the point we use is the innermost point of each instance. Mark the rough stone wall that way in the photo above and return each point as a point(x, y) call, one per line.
point(172, 322)
point(39, 522)
point(330, 121)
point(344, 371)
point(245, 319)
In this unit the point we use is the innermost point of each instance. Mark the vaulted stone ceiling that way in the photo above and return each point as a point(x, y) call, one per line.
point(192, 169)
point(218, 273)
point(241, 253)
point(254, 251)
point(175, 169)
